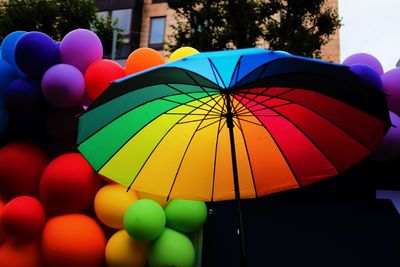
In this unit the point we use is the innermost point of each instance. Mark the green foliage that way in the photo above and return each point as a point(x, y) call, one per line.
point(300, 27)
point(56, 18)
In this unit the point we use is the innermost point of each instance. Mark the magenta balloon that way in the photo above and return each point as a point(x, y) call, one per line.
point(79, 48)
point(63, 86)
point(391, 86)
point(364, 58)
point(389, 148)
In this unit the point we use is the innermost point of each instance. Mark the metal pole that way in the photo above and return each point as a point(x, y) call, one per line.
point(230, 125)
point(114, 44)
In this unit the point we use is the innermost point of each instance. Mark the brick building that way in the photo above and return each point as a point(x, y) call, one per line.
point(146, 24)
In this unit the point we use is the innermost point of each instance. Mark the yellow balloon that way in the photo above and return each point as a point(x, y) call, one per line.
point(182, 52)
point(123, 251)
point(111, 202)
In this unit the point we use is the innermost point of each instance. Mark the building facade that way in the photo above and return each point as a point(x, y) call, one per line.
point(146, 23)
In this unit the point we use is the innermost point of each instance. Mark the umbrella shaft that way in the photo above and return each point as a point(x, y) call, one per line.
point(230, 125)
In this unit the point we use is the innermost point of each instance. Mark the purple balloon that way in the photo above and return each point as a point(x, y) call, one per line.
point(24, 95)
point(63, 86)
point(80, 48)
point(35, 52)
point(364, 58)
point(391, 86)
point(389, 148)
point(368, 74)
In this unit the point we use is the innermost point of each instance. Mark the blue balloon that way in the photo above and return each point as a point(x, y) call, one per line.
point(7, 75)
point(368, 74)
point(8, 47)
point(24, 95)
point(35, 52)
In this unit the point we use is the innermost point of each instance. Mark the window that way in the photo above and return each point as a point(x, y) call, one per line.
point(157, 29)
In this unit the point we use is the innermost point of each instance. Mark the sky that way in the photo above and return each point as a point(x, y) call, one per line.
point(373, 27)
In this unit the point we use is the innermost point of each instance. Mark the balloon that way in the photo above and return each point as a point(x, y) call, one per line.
point(142, 59)
point(389, 148)
point(68, 184)
point(3, 236)
point(20, 254)
point(8, 47)
point(24, 95)
point(8, 74)
point(368, 74)
point(63, 86)
point(100, 74)
point(111, 202)
point(62, 124)
point(35, 52)
point(364, 58)
point(171, 249)
point(391, 86)
point(144, 220)
point(73, 240)
point(159, 199)
point(23, 217)
point(186, 215)
point(80, 48)
point(21, 165)
point(123, 251)
point(182, 52)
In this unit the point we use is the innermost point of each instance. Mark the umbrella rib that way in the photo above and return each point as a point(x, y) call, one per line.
point(309, 138)
point(210, 124)
point(216, 70)
point(151, 153)
point(206, 119)
point(174, 88)
point(249, 160)
point(215, 162)
point(183, 157)
point(238, 94)
point(270, 97)
point(269, 108)
point(325, 118)
point(281, 152)
point(190, 76)
point(123, 113)
point(255, 96)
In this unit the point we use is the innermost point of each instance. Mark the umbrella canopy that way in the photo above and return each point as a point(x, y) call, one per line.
point(273, 120)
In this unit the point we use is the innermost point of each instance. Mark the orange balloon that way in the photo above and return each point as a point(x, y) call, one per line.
point(15, 254)
point(100, 74)
point(73, 240)
point(142, 59)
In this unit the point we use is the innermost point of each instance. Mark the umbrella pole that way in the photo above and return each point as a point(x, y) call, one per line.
point(230, 125)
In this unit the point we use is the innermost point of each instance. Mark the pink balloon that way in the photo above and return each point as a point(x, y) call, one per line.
point(389, 149)
point(80, 48)
point(364, 58)
point(391, 86)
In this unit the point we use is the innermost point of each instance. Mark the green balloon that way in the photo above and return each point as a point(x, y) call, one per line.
point(144, 220)
point(186, 215)
point(172, 248)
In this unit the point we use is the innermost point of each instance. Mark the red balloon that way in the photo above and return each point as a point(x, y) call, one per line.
point(23, 217)
point(21, 254)
point(100, 74)
point(68, 184)
point(3, 236)
point(73, 240)
point(21, 165)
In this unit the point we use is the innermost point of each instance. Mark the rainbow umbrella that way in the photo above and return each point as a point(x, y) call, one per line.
point(232, 124)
